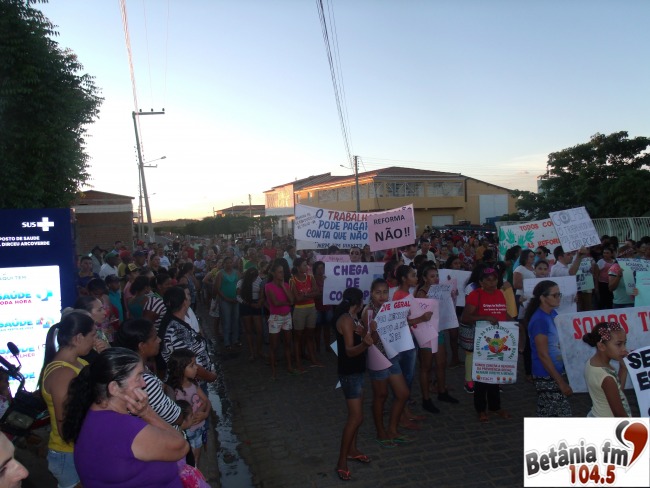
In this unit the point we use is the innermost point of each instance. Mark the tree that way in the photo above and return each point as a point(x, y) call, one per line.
point(45, 105)
point(608, 175)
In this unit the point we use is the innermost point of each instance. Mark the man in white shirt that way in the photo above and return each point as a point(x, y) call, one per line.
point(425, 246)
point(562, 261)
point(110, 265)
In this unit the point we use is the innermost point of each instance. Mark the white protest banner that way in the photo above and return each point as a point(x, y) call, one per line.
point(529, 235)
point(392, 327)
point(447, 310)
point(638, 368)
point(332, 258)
point(575, 352)
point(495, 352)
point(339, 276)
point(301, 245)
point(392, 228)
point(631, 267)
point(462, 278)
point(643, 285)
point(568, 288)
point(575, 229)
point(426, 333)
point(325, 227)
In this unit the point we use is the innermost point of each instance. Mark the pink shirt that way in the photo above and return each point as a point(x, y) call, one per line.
point(280, 295)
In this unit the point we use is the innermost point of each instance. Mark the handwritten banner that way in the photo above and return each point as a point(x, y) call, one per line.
point(392, 228)
point(462, 278)
point(572, 327)
point(324, 227)
point(638, 367)
point(392, 327)
point(426, 333)
point(568, 288)
point(495, 352)
point(339, 276)
point(529, 235)
point(643, 285)
point(442, 293)
point(332, 258)
point(575, 228)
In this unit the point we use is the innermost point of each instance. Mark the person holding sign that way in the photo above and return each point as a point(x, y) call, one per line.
point(429, 277)
point(547, 365)
point(390, 374)
point(486, 303)
point(352, 341)
point(605, 386)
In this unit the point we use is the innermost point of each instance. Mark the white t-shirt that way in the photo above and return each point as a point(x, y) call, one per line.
point(559, 270)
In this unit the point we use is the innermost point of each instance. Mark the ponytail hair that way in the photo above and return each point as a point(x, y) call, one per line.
point(601, 333)
point(351, 297)
point(72, 323)
point(541, 289)
point(91, 386)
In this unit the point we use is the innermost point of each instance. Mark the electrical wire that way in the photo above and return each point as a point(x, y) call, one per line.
point(146, 36)
point(337, 95)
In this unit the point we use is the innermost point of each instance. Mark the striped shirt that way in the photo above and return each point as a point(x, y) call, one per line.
point(164, 406)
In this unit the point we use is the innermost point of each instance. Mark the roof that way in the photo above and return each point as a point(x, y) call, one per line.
point(101, 194)
point(308, 181)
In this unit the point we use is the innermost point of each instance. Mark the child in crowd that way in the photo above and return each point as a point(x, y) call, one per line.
point(191, 477)
point(605, 386)
point(182, 369)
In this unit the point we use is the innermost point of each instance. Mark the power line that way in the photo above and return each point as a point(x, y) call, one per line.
point(337, 94)
point(146, 36)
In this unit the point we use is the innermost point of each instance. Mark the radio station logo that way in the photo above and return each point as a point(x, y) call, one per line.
point(604, 452)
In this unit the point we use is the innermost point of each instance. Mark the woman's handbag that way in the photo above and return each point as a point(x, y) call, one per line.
point(466, 337)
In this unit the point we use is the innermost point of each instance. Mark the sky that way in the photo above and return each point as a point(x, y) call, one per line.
point(486, 88)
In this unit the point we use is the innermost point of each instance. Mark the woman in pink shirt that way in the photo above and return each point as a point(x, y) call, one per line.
point(279, 300)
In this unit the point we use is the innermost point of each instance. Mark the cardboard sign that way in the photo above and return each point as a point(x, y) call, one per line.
point(575, 229)
point(643, 285)
point(324, 227)
point(575, 352)
point(529, 235)
point(447, 310)
point(426, 333)
point(392, 228)
point(461, 277)
point(638, 368)
point(495, 352)
point(339, 276)
point(392, 327)
point(631, 267)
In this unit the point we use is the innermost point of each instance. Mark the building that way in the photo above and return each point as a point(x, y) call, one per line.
point(280, 201)
point(438, 198)
point(101, 219)
point(241, 211)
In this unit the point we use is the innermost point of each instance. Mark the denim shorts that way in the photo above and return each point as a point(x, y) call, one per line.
point(61, 465)
point(383, 374)
point(352, 385)
point(195, 437)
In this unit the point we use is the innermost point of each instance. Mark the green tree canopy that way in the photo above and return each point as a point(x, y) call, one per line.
point(608, 175)
point(45, 105)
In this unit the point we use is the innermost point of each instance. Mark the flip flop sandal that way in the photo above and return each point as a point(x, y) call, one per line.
point(402, 439)
point(386, 443)
point(343, 474)
point(361, 458)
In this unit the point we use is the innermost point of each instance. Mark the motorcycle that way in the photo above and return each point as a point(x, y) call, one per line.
point(26, 411)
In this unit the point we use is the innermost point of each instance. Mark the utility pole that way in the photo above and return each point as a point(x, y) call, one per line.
point(356, 181)
point(143, 182)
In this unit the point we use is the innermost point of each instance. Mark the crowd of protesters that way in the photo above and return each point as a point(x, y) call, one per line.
point(135, 327)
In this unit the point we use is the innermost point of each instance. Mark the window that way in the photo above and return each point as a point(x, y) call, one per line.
point(446, 189)
point(363, 191)
point(327, 195)
point(345, 194)
point(376, 190)
point(271, 200)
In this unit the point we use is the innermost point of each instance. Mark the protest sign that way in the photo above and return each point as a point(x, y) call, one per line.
point(572, 327)
point(339, 276)
point(584, 281)
point(376, 360)
point(630, 269)
point(643, 285)
point(461, 277)
point(392, 228)
point(324, 227)
point(426, 333)
point(568, 288)
point(392, 327)
point(529, 235)
point(495, 352)
point(332, 258)
point(575, 229)
point(638, 368)
point(447, 311)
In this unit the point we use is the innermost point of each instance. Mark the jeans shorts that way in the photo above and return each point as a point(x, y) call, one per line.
point(195, 437)
point(383, 374)
point(61, 465)
point(352, 385)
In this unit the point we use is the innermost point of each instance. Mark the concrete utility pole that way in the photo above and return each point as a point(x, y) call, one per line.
point(143, 182)
point(356, 181)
